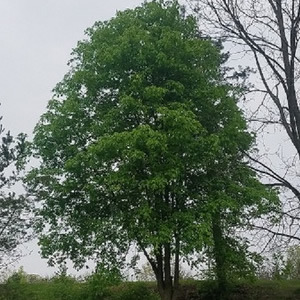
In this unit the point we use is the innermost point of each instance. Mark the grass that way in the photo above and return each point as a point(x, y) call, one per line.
point(259, 290)
point(276, 290)
point(59, 290)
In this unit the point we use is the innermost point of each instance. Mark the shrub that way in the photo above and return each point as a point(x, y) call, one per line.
point(98, 284)
point(16, 287)
point(64, 287)
point(134, 290)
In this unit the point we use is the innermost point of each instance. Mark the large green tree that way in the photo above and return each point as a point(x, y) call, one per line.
point(142, 145)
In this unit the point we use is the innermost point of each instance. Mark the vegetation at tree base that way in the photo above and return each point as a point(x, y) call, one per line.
point(62, 287)
point(15, 209)
point(144, 145)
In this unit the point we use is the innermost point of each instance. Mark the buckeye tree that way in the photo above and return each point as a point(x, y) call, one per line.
point(143, 144)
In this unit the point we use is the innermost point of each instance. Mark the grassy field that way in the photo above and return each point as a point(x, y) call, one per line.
point(72, 290)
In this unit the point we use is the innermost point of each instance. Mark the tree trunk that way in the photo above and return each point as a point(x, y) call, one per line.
point(163, 276)
point(176, 267)
point(167, 258)
point(165, 290)
point(160, 273)
point(220, 257)
point(161, 267)
point(167, 294)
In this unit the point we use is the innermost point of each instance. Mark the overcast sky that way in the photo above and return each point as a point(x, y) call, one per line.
point(36, 40)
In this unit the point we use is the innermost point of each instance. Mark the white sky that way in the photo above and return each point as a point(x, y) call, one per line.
point(36, 40)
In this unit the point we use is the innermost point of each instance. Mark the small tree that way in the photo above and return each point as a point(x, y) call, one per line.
point(139, 145)
point(14, 209)
point(292, 263)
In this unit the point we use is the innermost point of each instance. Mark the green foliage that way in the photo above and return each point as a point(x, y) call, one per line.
point(239, 262)
point(18, 277)
point(278, 266)
point(45, 290)
point(134, 290)
point(270, 289)
point(292, 264)
point(143, 143)
point(102, 285)
point(65, 288)
point(15, 209)
point(98, 284)
point(15, 286)
point(126, 135)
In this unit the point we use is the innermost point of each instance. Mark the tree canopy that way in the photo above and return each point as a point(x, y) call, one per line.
point(143, 144)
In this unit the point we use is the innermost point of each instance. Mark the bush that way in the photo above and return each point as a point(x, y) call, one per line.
point(98, 285)
point(64, 287)
point(19, 276)
point(134, 290)
point(15, 287)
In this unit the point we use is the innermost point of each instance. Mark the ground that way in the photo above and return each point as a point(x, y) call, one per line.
point(190, 290)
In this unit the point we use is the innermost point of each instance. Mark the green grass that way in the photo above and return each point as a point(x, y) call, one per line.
point(257, 290)
point(279, 289)
point(72, 290)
